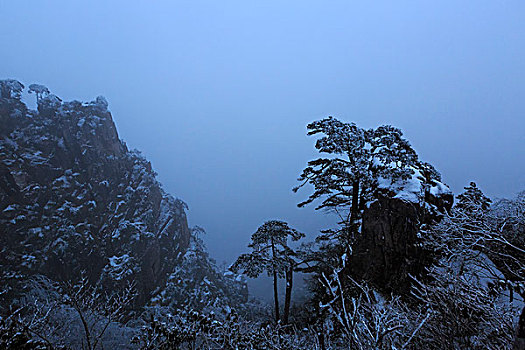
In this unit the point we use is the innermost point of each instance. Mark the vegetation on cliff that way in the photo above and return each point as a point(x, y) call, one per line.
point(95, 254)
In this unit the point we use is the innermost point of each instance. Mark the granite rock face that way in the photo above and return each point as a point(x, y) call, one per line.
point(386, 249)
point(74, 199)
point(389, 247)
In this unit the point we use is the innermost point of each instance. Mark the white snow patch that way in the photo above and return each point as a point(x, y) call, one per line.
point(412, 189)
point(119, 267)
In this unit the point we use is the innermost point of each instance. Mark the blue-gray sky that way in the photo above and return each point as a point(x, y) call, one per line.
point(217, 94)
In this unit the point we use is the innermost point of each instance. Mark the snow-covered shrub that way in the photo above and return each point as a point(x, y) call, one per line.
point(465, 315)
point(363, 319)
point(189, 329)
point(76, 315)
point(476, 288)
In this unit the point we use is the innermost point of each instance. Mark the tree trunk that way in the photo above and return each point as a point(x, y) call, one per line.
point(320, 338)
point(288, 294)
point(275, 296)
point(361, 202)
point(354, 210)
point(519, 341)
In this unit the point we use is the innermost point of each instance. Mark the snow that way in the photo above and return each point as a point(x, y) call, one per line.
point(100, 102)
point(166, 210)
point(34, 158)
point(28, 260)
point(59, 245)
point(412, 189)
point(63, 180)
point(116, 261)
point(39, 89)
point(11, 143)
point(439, 189)
point(36, 231)
point(482, 270)
point(9, 208)
point(239, 278)
point(170, 222)
point(51, 101)
point(119, 267)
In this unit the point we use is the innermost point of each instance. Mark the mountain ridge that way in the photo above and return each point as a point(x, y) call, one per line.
point(74, 200)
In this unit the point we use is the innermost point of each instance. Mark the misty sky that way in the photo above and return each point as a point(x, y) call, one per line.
point(217, 94)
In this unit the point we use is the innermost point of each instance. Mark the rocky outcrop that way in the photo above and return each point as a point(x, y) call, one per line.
point(74, 199)
point(389, 248)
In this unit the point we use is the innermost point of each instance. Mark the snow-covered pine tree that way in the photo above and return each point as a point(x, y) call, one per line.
point(473, 201)
point(358, 159)
point(39, 90)
point(271, 253)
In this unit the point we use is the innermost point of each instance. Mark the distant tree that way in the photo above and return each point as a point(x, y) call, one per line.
point(271, 253)
point(473, 201)
point(39, 90)
point(358, 160)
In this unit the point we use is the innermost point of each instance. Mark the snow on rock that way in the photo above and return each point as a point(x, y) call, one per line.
point(413, 189)
point(68, 174)
point(120, 267)
point(101, 103)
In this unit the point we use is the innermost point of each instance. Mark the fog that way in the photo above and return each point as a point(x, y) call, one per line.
point(217, 94)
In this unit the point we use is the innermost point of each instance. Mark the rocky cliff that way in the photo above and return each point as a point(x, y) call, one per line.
point(390, 248)
point(74, 199)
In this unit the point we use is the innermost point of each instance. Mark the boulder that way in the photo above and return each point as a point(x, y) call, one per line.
point(389, 248)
